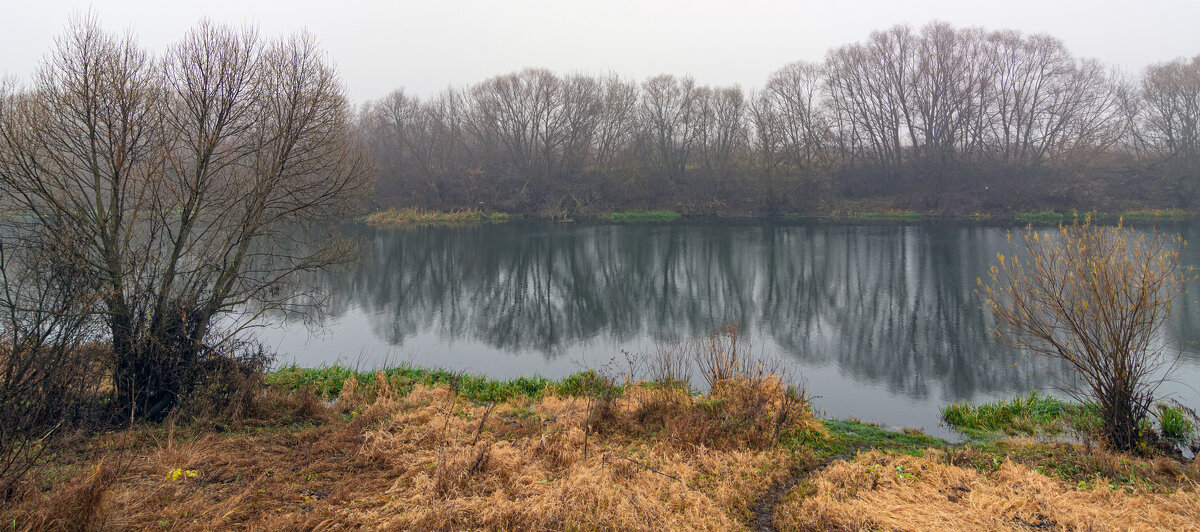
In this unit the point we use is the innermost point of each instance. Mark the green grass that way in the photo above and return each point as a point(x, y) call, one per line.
point(848, 436)
point(1175, 423)
point(1169, 215)
point(1040, 217)
point(887, 216)
point(1142, 215)
point(626, 217)
point(1028, 415)
point(1072, 463)
point(499, 218)
point(327, 382)
point(414, 217)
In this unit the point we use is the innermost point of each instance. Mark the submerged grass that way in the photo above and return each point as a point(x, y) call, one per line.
point(659, 216)
point(415, 217)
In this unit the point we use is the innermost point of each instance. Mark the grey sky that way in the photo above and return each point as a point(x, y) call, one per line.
point(426, 46)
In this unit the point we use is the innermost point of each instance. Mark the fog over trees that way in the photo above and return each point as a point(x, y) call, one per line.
point(940, 119)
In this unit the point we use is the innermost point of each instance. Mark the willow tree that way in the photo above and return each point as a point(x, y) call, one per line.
point(192, 182)
point(1096, 298)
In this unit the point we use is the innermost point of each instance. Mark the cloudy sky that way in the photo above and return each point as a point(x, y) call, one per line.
point(425, 46)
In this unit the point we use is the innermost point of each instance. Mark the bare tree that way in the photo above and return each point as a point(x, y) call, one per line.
point(794, 95)
point(868, 86)
point(668, 114)
point(614, 128)
point(721, 129)
point(190, 182)
point(1168, 123)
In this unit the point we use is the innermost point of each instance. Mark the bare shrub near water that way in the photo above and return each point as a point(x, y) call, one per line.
point(752, 394)
point(46, 370)
point(228, 384)
point(670, 364)
point(1094, 297)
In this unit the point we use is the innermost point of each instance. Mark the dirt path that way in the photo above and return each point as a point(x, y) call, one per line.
point(763, 510)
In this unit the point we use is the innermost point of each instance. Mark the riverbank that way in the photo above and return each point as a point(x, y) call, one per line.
point(852, 214)
point(411, 448)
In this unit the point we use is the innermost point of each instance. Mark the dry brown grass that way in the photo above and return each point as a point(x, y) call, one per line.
point(878, 491)
point(430, 460)
point(656, 458)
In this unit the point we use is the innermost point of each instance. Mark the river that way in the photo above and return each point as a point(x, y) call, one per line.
point(879, 322)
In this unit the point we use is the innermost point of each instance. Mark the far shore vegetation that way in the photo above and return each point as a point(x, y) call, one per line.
point(659, 216)
point(1050, 217)
point(417, 217)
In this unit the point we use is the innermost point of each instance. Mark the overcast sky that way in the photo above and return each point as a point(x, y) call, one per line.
point(425, 46)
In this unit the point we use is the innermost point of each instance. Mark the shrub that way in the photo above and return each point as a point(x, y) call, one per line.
point(48, 368)
point(1094, 297)
point(226, 383)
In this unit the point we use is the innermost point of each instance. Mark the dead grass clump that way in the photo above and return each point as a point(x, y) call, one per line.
point(901, 492)
point(279, 407)
point(748, 402)
point(450, 474)
point(76, 505)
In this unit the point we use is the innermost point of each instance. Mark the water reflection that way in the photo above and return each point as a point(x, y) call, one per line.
point(891, 308)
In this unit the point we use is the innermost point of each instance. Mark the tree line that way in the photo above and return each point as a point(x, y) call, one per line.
point(941, 119)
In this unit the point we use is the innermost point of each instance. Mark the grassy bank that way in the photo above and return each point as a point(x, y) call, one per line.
point(1028, 415)
point(413, 448)
point(1049, 217)
point(642, 217)
point(416, 217)
point(1169, 424)
point(885, 216)
point(327, 383)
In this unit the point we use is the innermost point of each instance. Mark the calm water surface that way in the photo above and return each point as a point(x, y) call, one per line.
point(879, 322)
